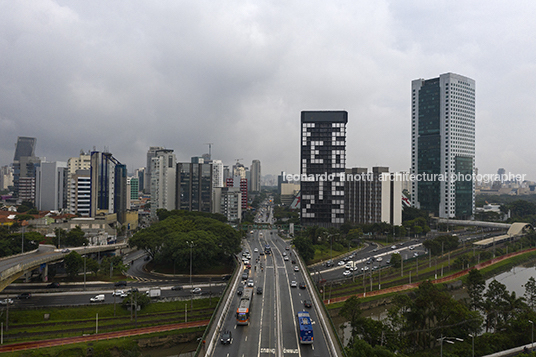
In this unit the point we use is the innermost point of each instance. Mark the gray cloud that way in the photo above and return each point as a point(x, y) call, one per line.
point(132, 74)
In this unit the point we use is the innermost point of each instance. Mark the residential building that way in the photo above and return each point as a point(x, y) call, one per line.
point(150, 154)
point(163, 180)
point(443, 145)
point(80, 193)
point(217, 173)
point(241, 183)
point(228, 201)
point(6, 177)
point(372, 197)
point(323, 159)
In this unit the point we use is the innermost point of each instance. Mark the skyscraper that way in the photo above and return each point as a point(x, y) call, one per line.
point(323, 159)
point(24, 166)
point(443, 145)
point(255, 176)
point(194, 187)
point(150, 154)
point(163, 180)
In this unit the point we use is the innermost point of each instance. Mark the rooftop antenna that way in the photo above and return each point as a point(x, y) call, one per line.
point(209, 150)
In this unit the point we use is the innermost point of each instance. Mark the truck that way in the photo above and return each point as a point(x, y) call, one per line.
point(154, 293)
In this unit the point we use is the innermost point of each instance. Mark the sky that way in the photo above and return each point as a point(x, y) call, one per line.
point(126, 75)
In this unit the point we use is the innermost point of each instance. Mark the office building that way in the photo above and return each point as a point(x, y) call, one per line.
point(163, 180)
point(217, 173)
point(150, 154)
point(323, 156)
point(242, 184)
point(51, 186)
point(443, 145)
point(108, 185)
point(194, 187)
point(372, 197)
point(255, 170)
point(6, 177)
point(228, 201)
point(24, 166)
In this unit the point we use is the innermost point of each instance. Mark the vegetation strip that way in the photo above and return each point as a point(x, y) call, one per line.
point(100, 336)
point(436, 281)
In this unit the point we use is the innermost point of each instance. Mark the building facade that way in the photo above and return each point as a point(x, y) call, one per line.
point(150, 154)
point(255, 176)
point(242, 184)
point(443, 145)
point(80, 193)
point(163, 180)
point(323, 159)
point(194, 187)
point(51, 186)
point(372, 197)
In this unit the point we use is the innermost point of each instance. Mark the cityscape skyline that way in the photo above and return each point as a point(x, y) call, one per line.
point(180, 76)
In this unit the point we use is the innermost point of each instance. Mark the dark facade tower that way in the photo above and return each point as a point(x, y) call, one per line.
point(323, 160)
point(194, 187)
point(24, 164)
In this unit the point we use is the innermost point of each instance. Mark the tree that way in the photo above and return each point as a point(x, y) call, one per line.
point(304, 247)
point(93, 266)
point(75, 237)
point(351, 311)
point(476, 284)
point(396, 260)
point(73, 263)
point(530, 293)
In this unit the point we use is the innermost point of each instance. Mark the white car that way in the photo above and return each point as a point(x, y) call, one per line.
point(346, 272)
point(393, 247)
point(285, 258)
point(379, 259)
point(293, 284)
point(6, 302)
point(411, 248)
point(119, 293)
point(296, 268)
point(341, 263)
point(255, 250)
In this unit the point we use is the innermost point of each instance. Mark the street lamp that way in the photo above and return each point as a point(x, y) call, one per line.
point(446, 339)
point(191, 245)
point(84, 266)
point(532, 335)
point(473, 338)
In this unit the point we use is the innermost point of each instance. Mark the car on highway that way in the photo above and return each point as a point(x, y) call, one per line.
point(240, 289)
point(329, 263)
point(256, 250)
point(259, 290)
point(341, 263)
point(302, 285)
point(196, 291)
point(120, 283)
point(393, 247)
point(285, 258)
point(53, 285)
point(177, 287)
point(119, 293)
point(287, 248)
point(261, 253)
point(245, 275)
point(250, 283)
point(293, 284)
point(307, 303)
point(296, 268)
point(24, 296)
point(346, 272)
point(379, 259)
point(97, 298)
point(65, 250)
point(226, 337)
point(6, 302)
point(132, 290)
point(415, 254)
point(411, 248)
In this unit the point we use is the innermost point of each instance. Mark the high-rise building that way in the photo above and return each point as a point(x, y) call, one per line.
point(74, 164)
point(6, 177)
point(80, 192)
point(241, 183)
point(443, 145)
point(255, 176)
point(150, 154)
point(163, 180)
point(372, 197)
point(323, 159)
point(217, 173)
point(194, 187)
point(24, 164)
point(108, 185)
point(51, 186)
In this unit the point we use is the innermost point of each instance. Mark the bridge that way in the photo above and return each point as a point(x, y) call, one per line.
point(473, 223)
point(15, 266)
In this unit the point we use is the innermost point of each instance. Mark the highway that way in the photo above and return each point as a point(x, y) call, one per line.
point(273, 326)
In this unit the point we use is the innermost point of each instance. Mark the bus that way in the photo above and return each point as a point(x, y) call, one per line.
point(305, 328)
point(244, 307)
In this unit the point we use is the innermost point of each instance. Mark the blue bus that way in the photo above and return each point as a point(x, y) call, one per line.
point(305, 327)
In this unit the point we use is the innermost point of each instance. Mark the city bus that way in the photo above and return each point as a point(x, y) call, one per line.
point(244, 307)
point(305, 328)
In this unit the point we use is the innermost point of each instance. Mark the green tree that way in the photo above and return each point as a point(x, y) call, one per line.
point(530, 293)
point(73, 264)
point(351, 311)
point(304, 247)
point(75, 237)
point(476, 284)
point(93, 266)
point(396, 260)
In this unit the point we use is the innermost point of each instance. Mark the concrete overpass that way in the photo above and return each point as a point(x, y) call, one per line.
point(473, 223)
point(13, 267)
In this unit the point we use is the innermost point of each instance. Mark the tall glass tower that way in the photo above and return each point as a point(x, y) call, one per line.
point(323, 159)
point(443, 145)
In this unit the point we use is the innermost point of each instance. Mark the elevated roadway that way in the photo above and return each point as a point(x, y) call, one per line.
point(13, 267)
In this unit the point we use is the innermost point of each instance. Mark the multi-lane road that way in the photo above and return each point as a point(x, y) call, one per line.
point(273, 328)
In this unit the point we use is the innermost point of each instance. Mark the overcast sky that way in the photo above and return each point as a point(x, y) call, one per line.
point(127, 75)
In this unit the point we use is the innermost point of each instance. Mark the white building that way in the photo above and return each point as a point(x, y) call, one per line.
point(217, 173)
point(80, 192)
point(163, 180)
point(255, 185)
point(443, 143)
point(51, 186)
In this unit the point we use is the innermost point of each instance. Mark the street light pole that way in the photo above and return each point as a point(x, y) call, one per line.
point(84, 266)
point(473, 338)
point(191, 245)
point(532, 335)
